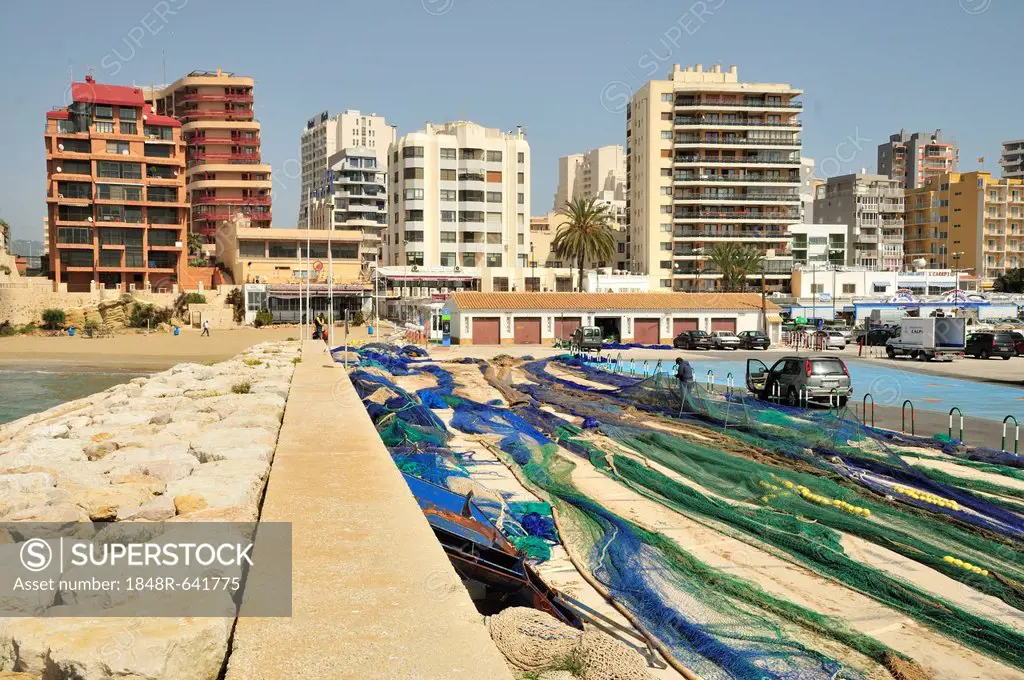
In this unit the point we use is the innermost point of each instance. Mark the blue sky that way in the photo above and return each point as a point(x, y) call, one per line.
point(561, 68)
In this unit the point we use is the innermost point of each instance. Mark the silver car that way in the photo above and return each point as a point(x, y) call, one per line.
point(830, 340)
point(725, 340)
point(796, 379)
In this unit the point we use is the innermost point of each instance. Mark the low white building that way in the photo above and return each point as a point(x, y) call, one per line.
point(646, 318)
point(850, 282)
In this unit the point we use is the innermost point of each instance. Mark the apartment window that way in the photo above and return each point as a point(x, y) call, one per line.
point(449, 195)
point(448, 154)
point(158, 150)
point(120, 148)
point(666, 210)
point(520, 178)
point(282, 250)
point(666, 115)
point(520, 220)
point(104, 128)
point(471, 195)
point(666, 283)
point(493, 239)
point(621, 247)
point(447, 215)
point(76, 167)
point(494, 156)
point(119, 170)
point(252, 248)
point(666, 172)
point(666, 97)
point(118, 192)
point(665, 264)
point(849, 288)
point(414, 259)
point(520, 239)
point(110, 258)
point(414, 237)
point(66, 126)
point(162, 216)
point(521, 157)
point(162, 194)
point(880, 288)
point(344, 251)
point(666, 191)
point(128, 128)
point(127, 113)
point(666, 228)
point(448, 174)
point(412, 173)
point(104, 112)
point(469, 259)
point(413, 215)
point(158, 132)
point(74, 189)
point(74, 235)
point(494, 176)
point(494, 218)
point(412, 152)
point(666, 245)
point(447, 259)
point(471, 216)
point(494, 197)
point(817, 288)
point(448, 237)
point(413, 194)
point(666, 134)
point(494, 260)
point(520, 198)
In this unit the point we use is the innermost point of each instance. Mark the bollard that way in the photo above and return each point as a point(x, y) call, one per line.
point(864, 408)
point(834, 392)
point(657, 368)
point(957, 409)
point(1016, 435)
point(728, 383)
point(711, 380)
point(903, 418)
point(775, 392)
point(645, 368)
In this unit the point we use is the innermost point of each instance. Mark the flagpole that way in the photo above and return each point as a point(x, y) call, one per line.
point(303, 316)
point(330, 255)
point(309, 269)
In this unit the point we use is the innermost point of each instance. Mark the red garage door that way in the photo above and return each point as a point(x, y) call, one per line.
point(680, 325)
point(487, 331)
point(647, 331)
point(565, 326)
point(527, 331)
point(723, 325)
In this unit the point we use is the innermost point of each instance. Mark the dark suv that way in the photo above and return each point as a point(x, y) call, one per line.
point(693, 340)
point(754, 340)
point(985, 344)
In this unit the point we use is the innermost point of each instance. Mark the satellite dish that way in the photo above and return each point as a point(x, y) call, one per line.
point(88, 219)
point(920, 262)
point(60, 147)
point(145, 117)
point(60, 169)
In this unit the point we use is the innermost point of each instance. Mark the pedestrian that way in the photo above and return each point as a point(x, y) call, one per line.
point(206, 328)
point(684, 374)
point(318, 325)
point(323, 334)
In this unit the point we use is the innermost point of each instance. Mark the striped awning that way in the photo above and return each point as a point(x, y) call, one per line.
point(773, 318)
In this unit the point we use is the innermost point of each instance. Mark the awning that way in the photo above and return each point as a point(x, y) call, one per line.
point(428, 277)
point(773, 318)
point(288, 291)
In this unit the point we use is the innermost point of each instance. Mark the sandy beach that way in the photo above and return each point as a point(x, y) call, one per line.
point(153, 352)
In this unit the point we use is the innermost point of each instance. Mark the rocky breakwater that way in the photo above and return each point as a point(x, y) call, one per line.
point(191, 444)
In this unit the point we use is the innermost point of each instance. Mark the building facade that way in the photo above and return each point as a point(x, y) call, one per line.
point(460, 197)
point(225, 174)
point(710, 160)
point(968, 221)
point(325, 136)
point(808, 188)
point(872, 206)
point(913, 158)
point(1012, 159)
point(820, 244)
point(599, 173)
point(115, 192)
point(543, 231)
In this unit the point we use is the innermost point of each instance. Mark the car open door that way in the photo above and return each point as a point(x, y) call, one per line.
point(757, 376)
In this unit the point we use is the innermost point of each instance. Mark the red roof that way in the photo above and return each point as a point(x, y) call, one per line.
point(58, 115)
point(155, 119)
point(96, 93)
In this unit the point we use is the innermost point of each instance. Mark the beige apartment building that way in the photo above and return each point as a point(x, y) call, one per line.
point(325, 136)
point(543, 230)
point(460, 200)
point(711, 159)
point(225, 173)
point(966, 221)
point(115, 192)
point(599, 173)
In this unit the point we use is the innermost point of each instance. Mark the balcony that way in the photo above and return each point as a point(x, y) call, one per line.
point(710, 161)
point(737, 198)
point(220, 157)
point(734, 141)
point(735, 179)
point(187, 115)
point(240, 200)
point(737, 215)
point(712, 102)
point(745, 122)
point(212, 97)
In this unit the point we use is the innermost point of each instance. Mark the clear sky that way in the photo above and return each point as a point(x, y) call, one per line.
point(561, 68)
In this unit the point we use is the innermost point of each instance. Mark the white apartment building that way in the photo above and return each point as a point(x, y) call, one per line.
point(1012, 160)
point(324, 136)
point(599, 173)
point(820, 244)
point(873, 206)
point(711, 159)
point(460, 197)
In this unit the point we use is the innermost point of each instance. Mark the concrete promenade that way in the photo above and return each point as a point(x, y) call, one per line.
point(374, 595)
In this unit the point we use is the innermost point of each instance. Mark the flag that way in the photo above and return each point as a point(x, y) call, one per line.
point(981, 159)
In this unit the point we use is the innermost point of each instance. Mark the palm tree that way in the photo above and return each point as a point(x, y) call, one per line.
point(586, 233)
point(735, 262)
point(195, 244)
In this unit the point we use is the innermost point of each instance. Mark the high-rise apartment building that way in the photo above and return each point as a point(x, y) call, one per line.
point(913, 158)
point(324, 136)
point(460, 198)
point(599, 173)
point(115, 192)
point(358, 204)
point(872, 206)
point(225, 174)
point(1012, 160)
point(968, 221)
point(711, 160)
point(808, 187)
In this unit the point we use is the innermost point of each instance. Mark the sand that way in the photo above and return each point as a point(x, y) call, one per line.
point(138, 351)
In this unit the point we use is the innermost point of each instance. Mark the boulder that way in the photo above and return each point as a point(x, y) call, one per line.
point(43, 451)
point(188, 504)
point(231, 443)
point(228, 513)
point(30, 482)
point(224, 482)
point(156, 510)
point(57, 513)
point(103, 504)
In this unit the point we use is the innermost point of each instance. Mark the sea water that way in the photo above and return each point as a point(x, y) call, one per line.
point(25, 390)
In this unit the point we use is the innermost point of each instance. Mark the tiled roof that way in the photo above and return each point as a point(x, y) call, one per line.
point(96, 93)
point(61, 114)
point(612, 301)
point(156, 119)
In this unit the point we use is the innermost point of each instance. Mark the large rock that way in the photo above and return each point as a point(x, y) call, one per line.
point(231, 443)
point(28, 482)
point(58, 513)
point(41, 452)
point(225, 482)
point(156, 510)
point(123, 648)
point(103, 503)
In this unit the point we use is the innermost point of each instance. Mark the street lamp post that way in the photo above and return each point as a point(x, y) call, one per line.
point(697, 267)
point(533, 270)
point(956, 281)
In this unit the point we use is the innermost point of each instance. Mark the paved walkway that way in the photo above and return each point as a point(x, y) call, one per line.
point(374, 595)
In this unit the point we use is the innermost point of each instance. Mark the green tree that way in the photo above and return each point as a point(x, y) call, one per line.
point(5, 235)
point(735, 262)
point(1010, 282)
point(586, 234)
point(195, 244)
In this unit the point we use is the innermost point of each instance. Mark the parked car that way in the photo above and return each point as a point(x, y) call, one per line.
point(877, 337)
point(693, 340)
point(830, 340)
point(588, 338)
point(1018, 342)
point(987, 344)
point(725, 340)
point(754, 340)
point(820, 379)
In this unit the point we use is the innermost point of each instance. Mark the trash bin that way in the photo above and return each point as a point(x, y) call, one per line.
point(71, 331)
point(177, 330)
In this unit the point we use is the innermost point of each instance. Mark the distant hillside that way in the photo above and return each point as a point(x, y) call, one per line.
point(26, 248)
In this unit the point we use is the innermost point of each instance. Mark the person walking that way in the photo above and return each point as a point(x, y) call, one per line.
point(684, 374)
point(318, 326)
point(206, 328)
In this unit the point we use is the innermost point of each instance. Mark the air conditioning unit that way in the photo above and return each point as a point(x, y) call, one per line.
point(144, 117)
